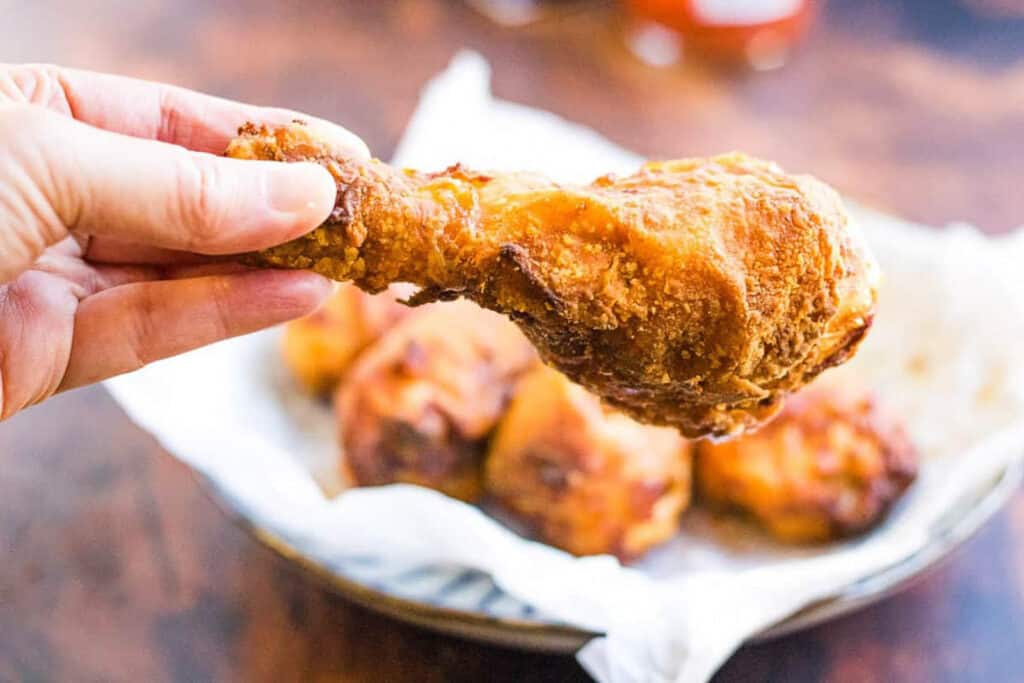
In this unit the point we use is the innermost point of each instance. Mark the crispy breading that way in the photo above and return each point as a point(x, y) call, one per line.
point(585, 477)
point(420, 404)
point(828, 466)
point(694, 293)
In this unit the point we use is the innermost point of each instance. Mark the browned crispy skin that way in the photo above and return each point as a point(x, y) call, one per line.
point(319, 349)
point(585, 477)
point(693, 293)
point(419, 405)
point(828, 466)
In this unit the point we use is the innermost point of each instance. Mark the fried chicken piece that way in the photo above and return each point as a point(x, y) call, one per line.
point(693, 293)
point(319, 349)
point(586, 477)
point(419, 405)
point(828, 466)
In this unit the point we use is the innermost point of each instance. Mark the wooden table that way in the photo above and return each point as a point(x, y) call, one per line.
point(115, 566)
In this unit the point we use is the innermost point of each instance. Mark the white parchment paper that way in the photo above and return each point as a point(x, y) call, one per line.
point(946, 351)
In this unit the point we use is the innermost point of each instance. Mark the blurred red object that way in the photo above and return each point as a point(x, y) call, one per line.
point(759, 33)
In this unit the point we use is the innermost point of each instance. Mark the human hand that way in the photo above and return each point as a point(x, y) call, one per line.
point(115, 221)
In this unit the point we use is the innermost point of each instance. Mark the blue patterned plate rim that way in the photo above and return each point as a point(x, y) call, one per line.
point(525, 629)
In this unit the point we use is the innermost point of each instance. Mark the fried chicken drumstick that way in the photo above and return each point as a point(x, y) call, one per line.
point(693, 293)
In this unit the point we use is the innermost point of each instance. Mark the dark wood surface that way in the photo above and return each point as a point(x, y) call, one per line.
point(115, 566)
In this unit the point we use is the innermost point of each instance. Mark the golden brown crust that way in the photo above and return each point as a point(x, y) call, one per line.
point(319, 349)
point(828, 466)
point(419, 406)
point(584, 477)
point(693, 293)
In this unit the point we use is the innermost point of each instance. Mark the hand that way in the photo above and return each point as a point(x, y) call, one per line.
point(115, 219)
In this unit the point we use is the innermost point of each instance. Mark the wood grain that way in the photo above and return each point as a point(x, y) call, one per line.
point(117, 567)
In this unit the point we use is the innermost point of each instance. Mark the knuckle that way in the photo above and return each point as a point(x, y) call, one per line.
point(222, 327)
point(175, 125)
point(200, 210)
point(169, 117)
point(34, 84)
point(31, 195)
point(143, 334)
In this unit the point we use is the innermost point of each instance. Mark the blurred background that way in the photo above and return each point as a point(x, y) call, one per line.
point(913, 105)
point(116, 564)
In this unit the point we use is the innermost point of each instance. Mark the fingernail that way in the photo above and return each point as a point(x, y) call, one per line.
point(341, 143)
point(304, 190)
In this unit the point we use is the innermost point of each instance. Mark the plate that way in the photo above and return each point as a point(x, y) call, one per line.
point(467, 603)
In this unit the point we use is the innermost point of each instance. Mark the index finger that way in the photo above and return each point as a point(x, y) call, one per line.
point(150, 110)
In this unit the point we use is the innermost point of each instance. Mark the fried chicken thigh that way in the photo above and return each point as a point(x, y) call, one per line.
point(693, 293)
point(319, 349)
point(828, 466)
point(419, 406)
point(585, 477)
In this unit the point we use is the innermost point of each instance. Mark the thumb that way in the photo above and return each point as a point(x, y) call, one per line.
point(58, 175)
